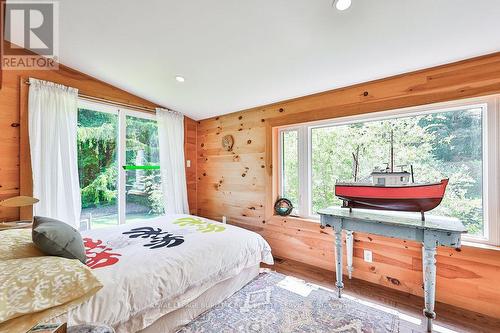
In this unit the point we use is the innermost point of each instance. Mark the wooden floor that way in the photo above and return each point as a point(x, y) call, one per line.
point(449, 318)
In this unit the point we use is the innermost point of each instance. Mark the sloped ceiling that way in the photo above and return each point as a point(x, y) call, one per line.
point(239, 54)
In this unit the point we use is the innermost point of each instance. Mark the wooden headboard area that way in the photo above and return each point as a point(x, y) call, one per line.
point(15, 168)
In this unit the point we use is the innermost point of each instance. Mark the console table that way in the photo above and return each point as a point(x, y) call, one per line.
point(433, 232)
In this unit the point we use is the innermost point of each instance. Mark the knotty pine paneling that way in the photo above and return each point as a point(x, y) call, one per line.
point(238, 184)
point(190, 138)
point(14, 146)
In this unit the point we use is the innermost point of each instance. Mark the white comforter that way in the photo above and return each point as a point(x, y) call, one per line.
point(160, 266)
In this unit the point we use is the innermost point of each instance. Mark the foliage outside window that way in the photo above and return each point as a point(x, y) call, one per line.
point(290, 167)
point(438, 145)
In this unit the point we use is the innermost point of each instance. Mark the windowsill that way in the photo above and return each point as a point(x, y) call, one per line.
point(296, 218)
point(481, 245)
point(466, 243)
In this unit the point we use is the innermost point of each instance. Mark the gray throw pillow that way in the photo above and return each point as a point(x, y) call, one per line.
point(57, 238)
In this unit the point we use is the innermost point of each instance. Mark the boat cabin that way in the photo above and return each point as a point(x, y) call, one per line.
point(390, 178)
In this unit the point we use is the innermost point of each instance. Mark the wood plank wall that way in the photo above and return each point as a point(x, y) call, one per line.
point(239, 184)
point(13, 93)
point(190, 132)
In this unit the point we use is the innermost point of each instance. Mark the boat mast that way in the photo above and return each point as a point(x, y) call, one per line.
point(392, 150)
point(355, 165)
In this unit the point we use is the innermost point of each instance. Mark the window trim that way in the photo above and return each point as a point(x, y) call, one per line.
point(491, 155)
point(122, 113)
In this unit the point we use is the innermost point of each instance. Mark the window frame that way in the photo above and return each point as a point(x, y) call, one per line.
point(122, 113)
point(491, 155)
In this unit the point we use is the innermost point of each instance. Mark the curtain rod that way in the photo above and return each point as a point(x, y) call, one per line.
point(114, 103)
point(106, 101)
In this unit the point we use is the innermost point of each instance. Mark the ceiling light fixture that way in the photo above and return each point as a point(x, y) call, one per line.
point(342, 4)
point(179, 78)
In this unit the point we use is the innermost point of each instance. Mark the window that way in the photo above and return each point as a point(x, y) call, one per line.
point(118, 165)
point(454, 140)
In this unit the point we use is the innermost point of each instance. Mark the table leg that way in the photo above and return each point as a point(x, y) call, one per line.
point(349, 242)
point(338, 260)
point(429, 271)
point(423, 261)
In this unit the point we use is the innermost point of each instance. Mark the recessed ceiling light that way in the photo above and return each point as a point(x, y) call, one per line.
point(179, 78)
point(342, 4)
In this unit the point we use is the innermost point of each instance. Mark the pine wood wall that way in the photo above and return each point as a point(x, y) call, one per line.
point(14, 93)
point(239, 184)
point(190, 133)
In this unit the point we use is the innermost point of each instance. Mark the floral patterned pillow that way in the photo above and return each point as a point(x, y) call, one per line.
point(17, 244)
point(35, 284)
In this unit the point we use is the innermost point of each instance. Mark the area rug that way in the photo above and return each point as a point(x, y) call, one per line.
point(273, 302)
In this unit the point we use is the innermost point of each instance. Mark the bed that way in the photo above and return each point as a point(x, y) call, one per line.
point(161, 273)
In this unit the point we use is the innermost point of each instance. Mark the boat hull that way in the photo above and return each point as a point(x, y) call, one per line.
point(417, 198)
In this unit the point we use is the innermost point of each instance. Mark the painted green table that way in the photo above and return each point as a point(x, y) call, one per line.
point(433, 232)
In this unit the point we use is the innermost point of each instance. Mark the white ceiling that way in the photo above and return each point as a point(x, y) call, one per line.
point(239, 54)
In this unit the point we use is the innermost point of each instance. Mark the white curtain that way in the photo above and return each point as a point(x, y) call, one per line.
point(52, 112)
point(173, 174)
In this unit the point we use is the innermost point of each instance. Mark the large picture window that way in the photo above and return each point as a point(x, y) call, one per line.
point(118, 165)
point(455, 141)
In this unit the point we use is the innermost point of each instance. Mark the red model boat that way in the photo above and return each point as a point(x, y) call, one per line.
point(411, 197)
point(391, 190)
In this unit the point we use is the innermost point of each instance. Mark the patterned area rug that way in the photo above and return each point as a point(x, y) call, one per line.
point(273, 302)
